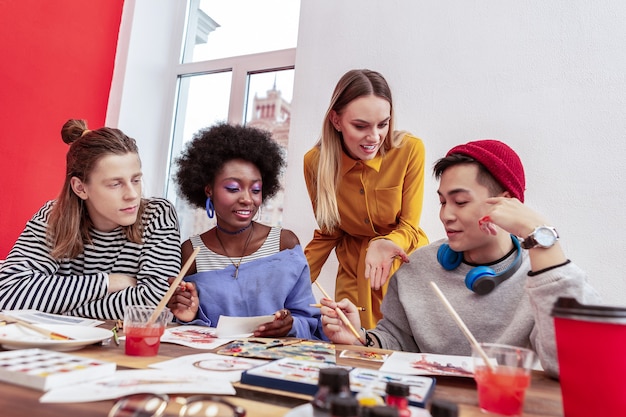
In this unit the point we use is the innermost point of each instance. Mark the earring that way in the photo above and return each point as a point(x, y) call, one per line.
point(210, 210)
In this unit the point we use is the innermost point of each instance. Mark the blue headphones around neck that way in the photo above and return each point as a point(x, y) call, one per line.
point(481, 279)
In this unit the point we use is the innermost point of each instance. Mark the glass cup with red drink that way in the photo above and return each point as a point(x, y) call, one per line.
point(143, 330)
point(502, 375)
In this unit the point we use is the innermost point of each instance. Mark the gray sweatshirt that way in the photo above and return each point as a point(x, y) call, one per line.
point(517, 312)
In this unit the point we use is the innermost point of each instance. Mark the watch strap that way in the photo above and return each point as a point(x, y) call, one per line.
point(529, 242)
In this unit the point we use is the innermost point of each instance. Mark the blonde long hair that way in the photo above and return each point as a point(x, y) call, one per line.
point(69, 221)
point(352, 85)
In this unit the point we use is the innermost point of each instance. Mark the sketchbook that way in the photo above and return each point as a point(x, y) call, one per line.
point(302, 377)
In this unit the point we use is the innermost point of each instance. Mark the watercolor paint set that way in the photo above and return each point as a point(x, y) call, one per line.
point(301, 377)
point(45, 369)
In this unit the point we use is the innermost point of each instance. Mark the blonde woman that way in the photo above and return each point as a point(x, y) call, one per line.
point(366, 184)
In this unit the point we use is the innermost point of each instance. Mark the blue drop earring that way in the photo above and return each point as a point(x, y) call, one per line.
point(210, 210)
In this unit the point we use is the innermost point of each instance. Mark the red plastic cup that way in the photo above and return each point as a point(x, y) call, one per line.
point(143, 339)
point(502, 387)
point(591, 348)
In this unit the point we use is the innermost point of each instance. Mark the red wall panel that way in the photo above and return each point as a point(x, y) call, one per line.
point(57, 61)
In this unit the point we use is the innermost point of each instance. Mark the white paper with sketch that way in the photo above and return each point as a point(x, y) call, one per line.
point(198, 337)
point(216, 367)
point(408, 363)
point(137, 381)
point(228, 326)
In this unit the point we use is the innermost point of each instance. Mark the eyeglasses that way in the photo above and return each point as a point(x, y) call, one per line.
point(154, 405)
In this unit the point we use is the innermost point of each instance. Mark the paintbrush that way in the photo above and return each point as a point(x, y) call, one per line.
point(320, 306)
point(285, 343)
point(342, 315)
point(466, 332)
point(159, 308)
point(49, 334)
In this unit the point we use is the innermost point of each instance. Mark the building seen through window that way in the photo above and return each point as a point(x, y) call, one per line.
point(253, 89)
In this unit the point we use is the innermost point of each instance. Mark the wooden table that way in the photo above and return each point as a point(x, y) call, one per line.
point(543, 398)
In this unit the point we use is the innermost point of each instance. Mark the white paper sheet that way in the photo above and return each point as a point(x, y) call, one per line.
point(408, 363)
point(228, 326)
point(216, 367)
point(137, 381)
point(198, 337)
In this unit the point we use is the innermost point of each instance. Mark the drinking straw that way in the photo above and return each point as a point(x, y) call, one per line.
point(462, 325)
point(341, 314)
point(159, 308)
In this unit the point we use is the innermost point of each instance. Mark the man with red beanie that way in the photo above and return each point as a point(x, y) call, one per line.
point(501, 267)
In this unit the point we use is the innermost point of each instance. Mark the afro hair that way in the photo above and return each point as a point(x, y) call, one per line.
point(205, 155)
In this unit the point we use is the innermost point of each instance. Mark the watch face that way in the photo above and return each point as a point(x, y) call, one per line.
point(545, 236)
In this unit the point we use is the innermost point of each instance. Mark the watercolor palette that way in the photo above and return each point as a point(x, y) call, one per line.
point(44, 369)
point(297, 349)
point(299, 376)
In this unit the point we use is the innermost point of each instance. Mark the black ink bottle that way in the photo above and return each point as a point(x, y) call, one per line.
point(332, 382)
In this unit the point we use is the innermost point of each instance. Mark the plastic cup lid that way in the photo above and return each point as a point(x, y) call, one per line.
point(571, 308)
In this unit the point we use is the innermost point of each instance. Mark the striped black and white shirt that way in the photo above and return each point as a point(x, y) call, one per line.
point(31, 279)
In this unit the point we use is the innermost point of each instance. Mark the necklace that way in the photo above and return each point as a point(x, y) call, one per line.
point(245, 248)
point(228, 232)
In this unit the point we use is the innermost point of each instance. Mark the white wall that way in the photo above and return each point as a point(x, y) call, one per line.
point(548, 78)
point(144, 82)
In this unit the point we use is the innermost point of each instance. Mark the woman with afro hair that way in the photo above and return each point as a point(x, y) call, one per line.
point(244, 268)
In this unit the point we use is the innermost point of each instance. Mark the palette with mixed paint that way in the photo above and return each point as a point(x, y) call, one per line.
point(297, 349)
point(44, 369)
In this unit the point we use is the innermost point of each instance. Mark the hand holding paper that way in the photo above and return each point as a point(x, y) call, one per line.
point(228, 326)
point(279, 327)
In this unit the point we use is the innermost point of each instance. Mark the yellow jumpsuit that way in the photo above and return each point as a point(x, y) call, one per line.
point(378, 198)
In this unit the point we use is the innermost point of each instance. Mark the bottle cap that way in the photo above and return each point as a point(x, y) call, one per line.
point(397, 389)
point(443, 408)
point(344, 406)
point(335, 378)
point(368, 398)
point(383, 411)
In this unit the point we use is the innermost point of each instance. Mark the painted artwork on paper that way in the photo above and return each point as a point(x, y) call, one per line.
point(297, 349)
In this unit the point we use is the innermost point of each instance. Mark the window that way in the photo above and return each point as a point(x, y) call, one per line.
point(237, 65)
point(224, 28)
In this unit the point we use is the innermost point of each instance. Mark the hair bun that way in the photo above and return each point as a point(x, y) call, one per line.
point(73, 129)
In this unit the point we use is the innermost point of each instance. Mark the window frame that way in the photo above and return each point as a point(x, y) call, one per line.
point(144, 88)
point(240, 66)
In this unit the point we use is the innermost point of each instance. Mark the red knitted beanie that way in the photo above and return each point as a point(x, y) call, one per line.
point(500, 160)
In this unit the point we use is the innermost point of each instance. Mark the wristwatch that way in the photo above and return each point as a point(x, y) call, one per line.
point(541, 237)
